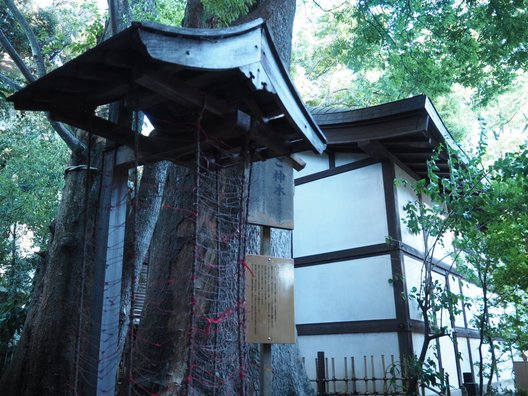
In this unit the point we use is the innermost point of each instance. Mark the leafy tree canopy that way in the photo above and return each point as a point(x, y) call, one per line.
point(463, 54)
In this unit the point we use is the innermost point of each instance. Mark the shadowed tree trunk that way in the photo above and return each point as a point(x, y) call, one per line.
point(45, 359)
point(50, 358)
point(164, 337)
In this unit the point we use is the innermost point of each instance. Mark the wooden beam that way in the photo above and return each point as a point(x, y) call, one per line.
point(122, 135)
point(392, 109)
point(184, 94)
point(376, 129)
point(335, 171)
point(94, 124)
point(376, 150)
point(142, 100)
point(343, 255)
point(349, 327)
point(94, 72)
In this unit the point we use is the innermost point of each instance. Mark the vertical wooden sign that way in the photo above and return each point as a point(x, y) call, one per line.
point(271, 196)
point(269, 300)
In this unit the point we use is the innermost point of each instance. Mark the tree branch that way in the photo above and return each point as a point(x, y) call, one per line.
point(8, 81)
point(69, 138)
point(12, 52)
point(33, 43)
point(120, 15)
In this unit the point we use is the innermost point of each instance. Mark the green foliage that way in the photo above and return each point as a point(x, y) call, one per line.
point(15, 289)
point(359, 54)
point(485, 209)
point(63, 31)
point(32, 160)
point(80, 27)
point(170, 12)
point(437, 43)
point(225, 12)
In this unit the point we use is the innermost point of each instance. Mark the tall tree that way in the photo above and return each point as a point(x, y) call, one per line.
point(51, 355)
point(163, 339)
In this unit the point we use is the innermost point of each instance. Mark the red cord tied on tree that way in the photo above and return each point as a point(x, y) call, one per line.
point(219, 319)
point(245, 265)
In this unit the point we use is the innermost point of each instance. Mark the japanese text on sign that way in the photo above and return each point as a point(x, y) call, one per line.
point(269, 300)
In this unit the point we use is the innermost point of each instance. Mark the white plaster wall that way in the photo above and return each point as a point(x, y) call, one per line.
point(418, 340)
point(404, 195)
point(441, 249)
point(345, 291)
point(474, 343)
point(505, 367)
point(339, 346)
point(443, 319)
point(505, 379)
point(348, 158)
point(455, 288)
point(447, 350)
point(465, 362)
point(314, 163)
point(340, 212)
point(412, 268)
point(448, 357)
point(474, 295)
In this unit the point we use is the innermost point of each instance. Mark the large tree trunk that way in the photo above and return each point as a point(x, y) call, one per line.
point(161, 360)
point(45, 361)
point(51, 357)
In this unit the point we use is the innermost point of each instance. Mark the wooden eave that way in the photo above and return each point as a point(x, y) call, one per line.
point(229, 81)
point(406, 132)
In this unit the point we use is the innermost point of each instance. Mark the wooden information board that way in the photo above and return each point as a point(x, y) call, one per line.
point(269, 300)
point(271, 196)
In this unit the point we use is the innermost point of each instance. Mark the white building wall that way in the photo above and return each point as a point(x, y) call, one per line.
point(441, 250)
point(447, 350)
point(314, 163)
point(405, 194)
point(340, 212)
point(348, 158)
point(412, 269)
point(465, 362)
point(344, 293)
point(454, 285)
point(473, 294)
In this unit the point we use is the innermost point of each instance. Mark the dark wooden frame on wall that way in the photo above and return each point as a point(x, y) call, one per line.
point(403, 325)
point(405, 133)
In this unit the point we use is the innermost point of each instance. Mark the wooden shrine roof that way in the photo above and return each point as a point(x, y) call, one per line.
point(406, 132)
point(231, 79)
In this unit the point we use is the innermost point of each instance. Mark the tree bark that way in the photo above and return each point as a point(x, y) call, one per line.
point(161, 347)
point(51, 354)
point(45, 360)
point(279, 16)
point(162, 341)
point(50, 358)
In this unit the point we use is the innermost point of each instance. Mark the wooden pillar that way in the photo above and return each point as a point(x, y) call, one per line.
point(103, 358)
point(266, 370)
point(321, 374)
point(396, 256)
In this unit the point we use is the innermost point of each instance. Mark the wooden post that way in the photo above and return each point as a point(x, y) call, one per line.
point(321, 376)
point(104, 334)
point(266, 370)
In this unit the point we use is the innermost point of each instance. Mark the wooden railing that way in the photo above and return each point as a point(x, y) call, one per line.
point(366, 376)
